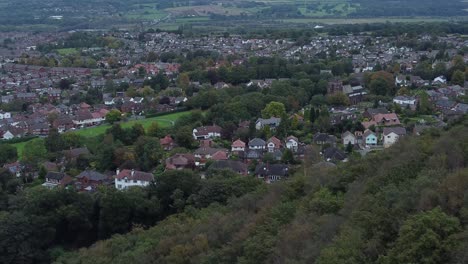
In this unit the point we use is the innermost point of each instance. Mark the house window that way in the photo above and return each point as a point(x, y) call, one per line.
point(119, 186)
point(134, 181)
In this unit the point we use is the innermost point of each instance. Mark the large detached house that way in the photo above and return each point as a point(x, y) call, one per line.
point(207, 132)
point(272, 122)
point(392, 134)
point(89, 180)
point(130, 178)
point(271, 172)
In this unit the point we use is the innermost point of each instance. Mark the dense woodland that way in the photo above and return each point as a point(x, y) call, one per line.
point(407, 204)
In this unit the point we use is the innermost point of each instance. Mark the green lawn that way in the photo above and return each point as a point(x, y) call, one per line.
point(67, 51)
point(20, 146)
point(163, 121)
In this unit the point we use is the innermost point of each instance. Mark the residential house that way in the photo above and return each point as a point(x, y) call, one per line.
point(370, 138)
point(232, 165)
point(439, 80)
point(348, 137)
point(390, 119)
point(271, 172)
point(238, 146)
point(272, 122)
point(392, 134)
point(406, 101)
point(207, 132)
point(11, 132)
point(203, 154)
point(167, 143)
point(54, 179)
point(369, 113)
point(257, 144)
point(89, 180)
point(445, 104)
point(323, 138)
point(334, 154)
point(131, 178)
point(273, 144)
point(180, 162)
point(4, 115)
point(292, 143)
point(14, 168)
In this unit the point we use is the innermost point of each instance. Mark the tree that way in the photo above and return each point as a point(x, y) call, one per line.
point(349, 147)
point(54, 142)
point(338, 99)
point(183, 81)
point(34, 151)
point(288, 157)
point(458, 77)
point(425, 238)
point(148, 152)
point(8, 153)
point(382, 83)
point(274, 109)
point(184, 137)
point(113, 116)
point(186, 182)
point(154, 130)
point(312, 115)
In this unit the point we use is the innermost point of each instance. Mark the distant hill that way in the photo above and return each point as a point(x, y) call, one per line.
point(90, 13)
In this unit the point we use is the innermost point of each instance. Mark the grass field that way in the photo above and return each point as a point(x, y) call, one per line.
point(20, 146)
point(163, 121)
point(335, 21)
point(68, 51)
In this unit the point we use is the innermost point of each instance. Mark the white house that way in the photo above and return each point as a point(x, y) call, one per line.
point(439, 80)
point(405, 100)
point(401, 80)
point(207, 132)
point(392, 134)
point(130, 178)
point(348, 137)
point(292, 143)
point(5, 115)
point(8, 135)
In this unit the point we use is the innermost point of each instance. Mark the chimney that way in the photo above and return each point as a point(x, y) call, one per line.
point(117, 172)
point(133, 172)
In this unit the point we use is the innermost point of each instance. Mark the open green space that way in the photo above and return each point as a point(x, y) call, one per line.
point(20, 146)
point(335, 21)
point(163, 121)
point(67, 51)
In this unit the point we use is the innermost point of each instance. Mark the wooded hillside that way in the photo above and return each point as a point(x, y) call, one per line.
point(407, 204)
